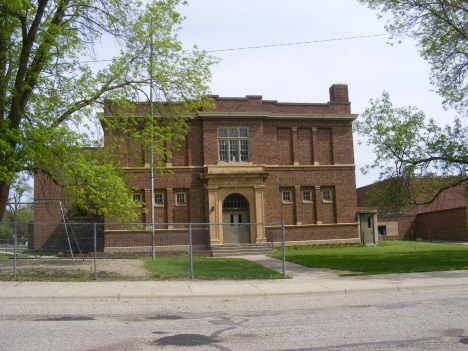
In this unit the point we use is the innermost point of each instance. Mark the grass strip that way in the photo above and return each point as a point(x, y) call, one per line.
point(209, 268)
point(386, 258)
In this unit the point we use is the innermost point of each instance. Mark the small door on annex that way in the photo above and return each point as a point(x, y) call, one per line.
point(367, 229)
point(235, 215)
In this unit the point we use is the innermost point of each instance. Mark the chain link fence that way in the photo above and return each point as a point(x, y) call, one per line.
point(83, 251)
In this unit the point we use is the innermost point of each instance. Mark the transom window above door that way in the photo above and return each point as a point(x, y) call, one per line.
point(233, 144)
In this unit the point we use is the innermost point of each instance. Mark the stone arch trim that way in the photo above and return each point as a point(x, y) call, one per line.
point(221, 183)
point(249, 194)
point(246, 200)
point(253, 195)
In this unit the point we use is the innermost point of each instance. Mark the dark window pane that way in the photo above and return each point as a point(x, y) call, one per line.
point(235, 202)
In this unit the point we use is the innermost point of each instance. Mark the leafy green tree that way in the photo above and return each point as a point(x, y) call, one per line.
point(418, 160)
point(18, 210)
point(440, 29)
point(50, 93)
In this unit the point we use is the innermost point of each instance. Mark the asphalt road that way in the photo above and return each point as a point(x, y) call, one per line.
point(421, 320)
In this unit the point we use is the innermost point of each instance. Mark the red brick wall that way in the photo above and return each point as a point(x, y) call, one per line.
point(325, 146)
point(305, 149)
point(450, 198)
point(273, 141)
point(253, 103)
point(343, 207)
point(284, 144)
point(329, 232)
point(309, 209)
point(448, 225)
point(407, 226)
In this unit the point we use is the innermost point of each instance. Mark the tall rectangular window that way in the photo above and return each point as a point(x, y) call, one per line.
point(287, 198)
point(180, 199)
point(306, 196)
point(327, 195)
point(158, 199)
point(233, 144)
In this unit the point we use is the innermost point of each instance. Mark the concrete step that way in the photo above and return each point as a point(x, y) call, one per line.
point(241, 250)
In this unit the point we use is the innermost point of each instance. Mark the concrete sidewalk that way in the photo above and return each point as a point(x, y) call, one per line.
point(305, 281)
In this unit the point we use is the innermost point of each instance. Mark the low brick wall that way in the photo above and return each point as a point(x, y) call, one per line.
point(446, 225)
point(173, 239)
point(323, 234)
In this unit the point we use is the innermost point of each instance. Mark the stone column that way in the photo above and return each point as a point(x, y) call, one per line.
point(214, 214)
point(259, 215)
point(318, 205)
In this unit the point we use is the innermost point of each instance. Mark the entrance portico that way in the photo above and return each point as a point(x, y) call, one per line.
point(245, 180)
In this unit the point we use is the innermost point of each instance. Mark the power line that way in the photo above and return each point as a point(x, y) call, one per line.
point(274, 45)
point(298, 43)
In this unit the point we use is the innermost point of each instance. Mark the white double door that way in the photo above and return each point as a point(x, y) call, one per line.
point(234, 231)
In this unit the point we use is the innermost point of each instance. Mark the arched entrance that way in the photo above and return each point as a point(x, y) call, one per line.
point(236, 212)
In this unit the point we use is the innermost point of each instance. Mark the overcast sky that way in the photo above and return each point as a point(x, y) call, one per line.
point(303, 73)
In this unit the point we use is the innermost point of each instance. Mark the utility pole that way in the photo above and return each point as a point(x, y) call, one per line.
point(152, 142)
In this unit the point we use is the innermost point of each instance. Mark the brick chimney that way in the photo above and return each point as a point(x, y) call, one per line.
point(339, 93)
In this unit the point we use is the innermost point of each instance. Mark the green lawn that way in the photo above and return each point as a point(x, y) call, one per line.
point(209, 268)
point(388, 257)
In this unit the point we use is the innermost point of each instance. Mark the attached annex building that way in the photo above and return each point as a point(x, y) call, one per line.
point(250, 160)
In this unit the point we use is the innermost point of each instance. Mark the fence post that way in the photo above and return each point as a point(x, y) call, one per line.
point(95, 253)
point(191, 251)
point(153, 248)
point(14, 250)
point(283, 239)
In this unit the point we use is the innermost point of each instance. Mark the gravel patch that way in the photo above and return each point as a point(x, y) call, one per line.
point(60, 268)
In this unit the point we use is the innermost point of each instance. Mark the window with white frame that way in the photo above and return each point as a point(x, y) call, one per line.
point(181, 199)
point(327, 195)
point(158, 199)
point(287, 197)
point(306, 195)
point(136, 197)
point(233, 144)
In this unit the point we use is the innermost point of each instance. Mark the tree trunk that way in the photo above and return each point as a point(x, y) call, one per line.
point(4, 190)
